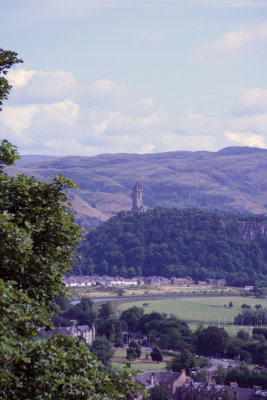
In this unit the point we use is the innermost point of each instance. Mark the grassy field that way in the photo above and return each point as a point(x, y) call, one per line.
point(141, 364)
point(149, 290)
point(198, 309)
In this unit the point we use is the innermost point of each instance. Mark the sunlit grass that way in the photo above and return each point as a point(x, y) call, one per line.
point(204, 310)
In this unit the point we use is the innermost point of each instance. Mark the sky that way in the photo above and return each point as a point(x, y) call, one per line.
point(135, 76)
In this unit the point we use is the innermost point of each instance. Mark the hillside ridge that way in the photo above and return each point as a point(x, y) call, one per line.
point(232, 179)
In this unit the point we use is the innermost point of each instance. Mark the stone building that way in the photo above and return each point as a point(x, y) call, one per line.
point(82, 332)
point(171, 381)
point(137, 198)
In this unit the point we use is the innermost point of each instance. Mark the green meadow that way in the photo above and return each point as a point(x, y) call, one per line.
point(214, 310)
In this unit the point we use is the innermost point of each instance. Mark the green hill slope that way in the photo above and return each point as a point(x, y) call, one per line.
point(180, 242)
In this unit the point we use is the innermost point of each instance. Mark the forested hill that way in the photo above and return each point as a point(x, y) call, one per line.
point(233, 179)
point(178, 242)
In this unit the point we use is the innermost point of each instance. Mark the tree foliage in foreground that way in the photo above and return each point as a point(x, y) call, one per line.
point(38, 237)
point(7, 60)
point(158, 393)
point(62, 368)
point(37, 243)
point(178, 242)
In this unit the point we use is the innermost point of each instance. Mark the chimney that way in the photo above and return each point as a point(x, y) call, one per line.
point(152, 378)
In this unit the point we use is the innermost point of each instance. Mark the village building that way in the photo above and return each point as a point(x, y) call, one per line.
point(140, 281)
point(82, 332)
point(181, 387)
point(202, 283)
point(221, 282)
point(179, 281)
point(212, 391)
point(169, 380)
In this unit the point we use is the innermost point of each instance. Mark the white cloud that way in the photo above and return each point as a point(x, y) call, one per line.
point(18, 119)
point(116, 119)
point(246, 139)
point(254, 101)
point(63, 113)
point(256, 123)
point(41, 86)
point(101, 126)
point(250, 113)
point(19, 77)
point(233, 42)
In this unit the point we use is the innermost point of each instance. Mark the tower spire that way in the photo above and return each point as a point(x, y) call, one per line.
point(137, 198)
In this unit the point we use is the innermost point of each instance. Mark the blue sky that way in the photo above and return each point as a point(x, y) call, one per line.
point(135, 76)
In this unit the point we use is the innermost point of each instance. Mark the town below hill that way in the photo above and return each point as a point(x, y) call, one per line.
point(184, 243)
point(233, 179)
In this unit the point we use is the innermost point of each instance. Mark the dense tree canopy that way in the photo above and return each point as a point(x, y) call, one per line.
point(102, 348)
point(246, 377)
point(132, 317)
point(252, 317)
point(156, 354)
point(134, 350)
point(186, 360)
point(178, 242)
point(212, 341)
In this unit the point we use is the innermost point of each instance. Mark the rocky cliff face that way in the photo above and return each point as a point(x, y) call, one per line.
point(248, 230)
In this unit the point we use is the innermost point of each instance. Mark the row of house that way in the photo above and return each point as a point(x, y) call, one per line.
point(181, 387)
point(82, 281)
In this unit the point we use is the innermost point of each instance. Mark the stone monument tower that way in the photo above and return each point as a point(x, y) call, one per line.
point(137, 198)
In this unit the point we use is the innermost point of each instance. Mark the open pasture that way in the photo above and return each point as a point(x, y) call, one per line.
point(141, 364)
point(150, 290)
point(198, 309)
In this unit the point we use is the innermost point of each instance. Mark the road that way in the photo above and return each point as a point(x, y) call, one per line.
point(215, 362)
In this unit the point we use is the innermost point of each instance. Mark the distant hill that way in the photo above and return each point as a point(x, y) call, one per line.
point(178, 242)
point(233, 179)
